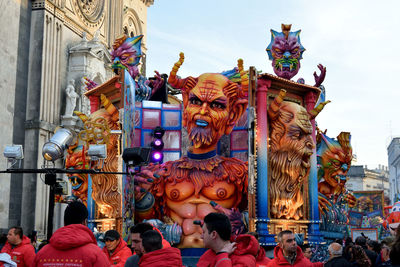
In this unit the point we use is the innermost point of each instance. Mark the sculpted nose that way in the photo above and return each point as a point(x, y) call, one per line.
point(203, 108)
point(286, 55)
point(117, 60)
point(310, 145)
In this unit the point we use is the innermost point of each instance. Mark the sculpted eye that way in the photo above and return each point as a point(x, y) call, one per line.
point(294, 51)
point(217, 105)
point(277, 50)
point(195, 101)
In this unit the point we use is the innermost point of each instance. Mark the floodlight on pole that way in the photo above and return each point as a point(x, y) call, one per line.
point(55, 147)
point(14, 154)
point(98, 153)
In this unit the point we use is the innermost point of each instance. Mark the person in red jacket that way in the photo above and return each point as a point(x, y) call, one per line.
point(261, 259)
point(19, 247)
point(222, 252)
point(72, 245)
point(116, 249)
point(287, 253)
point(155, 255)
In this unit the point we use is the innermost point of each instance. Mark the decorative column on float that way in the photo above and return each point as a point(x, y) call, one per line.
point(314, 236)
point(262, 164)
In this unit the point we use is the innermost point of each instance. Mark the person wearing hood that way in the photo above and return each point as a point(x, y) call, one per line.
point(261, 260)
point(5, 260)
point(222, 252)
point(19, 247)
point(72, 245)
point(116, 248)
point(288, 253)
point(155, 255)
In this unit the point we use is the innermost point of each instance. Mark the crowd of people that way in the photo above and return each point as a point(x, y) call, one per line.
point(75, 245)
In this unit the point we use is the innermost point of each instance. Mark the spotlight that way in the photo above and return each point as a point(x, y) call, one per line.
point(14, 154)
point(157, 145)
point(97, 152)
point(136, 156)
point(54, 148)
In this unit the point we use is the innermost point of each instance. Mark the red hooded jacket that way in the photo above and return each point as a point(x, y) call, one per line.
point(23, 254)
point(162, 257)
point(262, 260)
point(280, 260)
point(120, 254)
point(74, 243)
point(244, 255)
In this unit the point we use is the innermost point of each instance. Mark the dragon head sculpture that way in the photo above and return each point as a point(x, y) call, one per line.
point(126, 54)
point(334, 161)
point(285, 51)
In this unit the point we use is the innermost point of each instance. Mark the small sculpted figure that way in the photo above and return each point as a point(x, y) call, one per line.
point(285, 50)
point(71, 98)
point(334, 161)
point(184, 188)
point(106, 192)
point(126, 54)
point(77, 159)
point(291, 146)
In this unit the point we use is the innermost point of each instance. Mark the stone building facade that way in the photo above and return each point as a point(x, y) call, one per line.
point(360, 178)
point(37, 42)
point(394, 168)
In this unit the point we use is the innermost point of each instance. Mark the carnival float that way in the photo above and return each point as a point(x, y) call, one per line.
point(239, 142)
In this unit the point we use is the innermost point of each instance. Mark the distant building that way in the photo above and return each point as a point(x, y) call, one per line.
point(394, 168)
point(361, 178)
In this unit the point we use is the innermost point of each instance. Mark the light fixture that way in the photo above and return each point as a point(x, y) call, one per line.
point(14, 154)
point(136, 156)
point(157, 145)
point(54, 148)
point(97, 154)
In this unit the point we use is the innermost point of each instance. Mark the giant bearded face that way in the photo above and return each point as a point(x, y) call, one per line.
point(334, 158)
point(291, 147)
point(285, 51)
point(206, 112)
point(213, 104)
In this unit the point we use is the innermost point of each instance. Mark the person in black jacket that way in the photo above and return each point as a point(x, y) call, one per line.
point(362, 241)
point(335, 257)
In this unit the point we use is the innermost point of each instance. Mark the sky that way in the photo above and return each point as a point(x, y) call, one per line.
point(357, 41)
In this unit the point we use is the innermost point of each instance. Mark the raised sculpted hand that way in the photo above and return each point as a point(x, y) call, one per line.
point(323, 204)
point(350, 199)
point(235, 217)
point(157, 82)
point(143, 181)
point(319, 78)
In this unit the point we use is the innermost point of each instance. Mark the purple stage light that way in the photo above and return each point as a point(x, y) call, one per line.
point(157, 156)
point(157, 142)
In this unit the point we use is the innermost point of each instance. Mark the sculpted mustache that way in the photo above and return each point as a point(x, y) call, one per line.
point(200, 135)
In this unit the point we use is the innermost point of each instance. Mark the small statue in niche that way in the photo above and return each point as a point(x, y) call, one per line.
point(70, 99)
point(85, 102)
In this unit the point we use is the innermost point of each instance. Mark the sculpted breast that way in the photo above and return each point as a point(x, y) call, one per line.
point(219, 191)
point(179, 191)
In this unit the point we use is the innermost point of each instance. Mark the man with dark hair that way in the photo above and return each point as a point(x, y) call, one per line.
point(136, 231)
point(287, 252)
point(116, 249)
point(362, 241)
point(306, 249)
point(153, 253)
point(19, 247)
point(222, 252)
point(74, 244)
point(137, 247)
